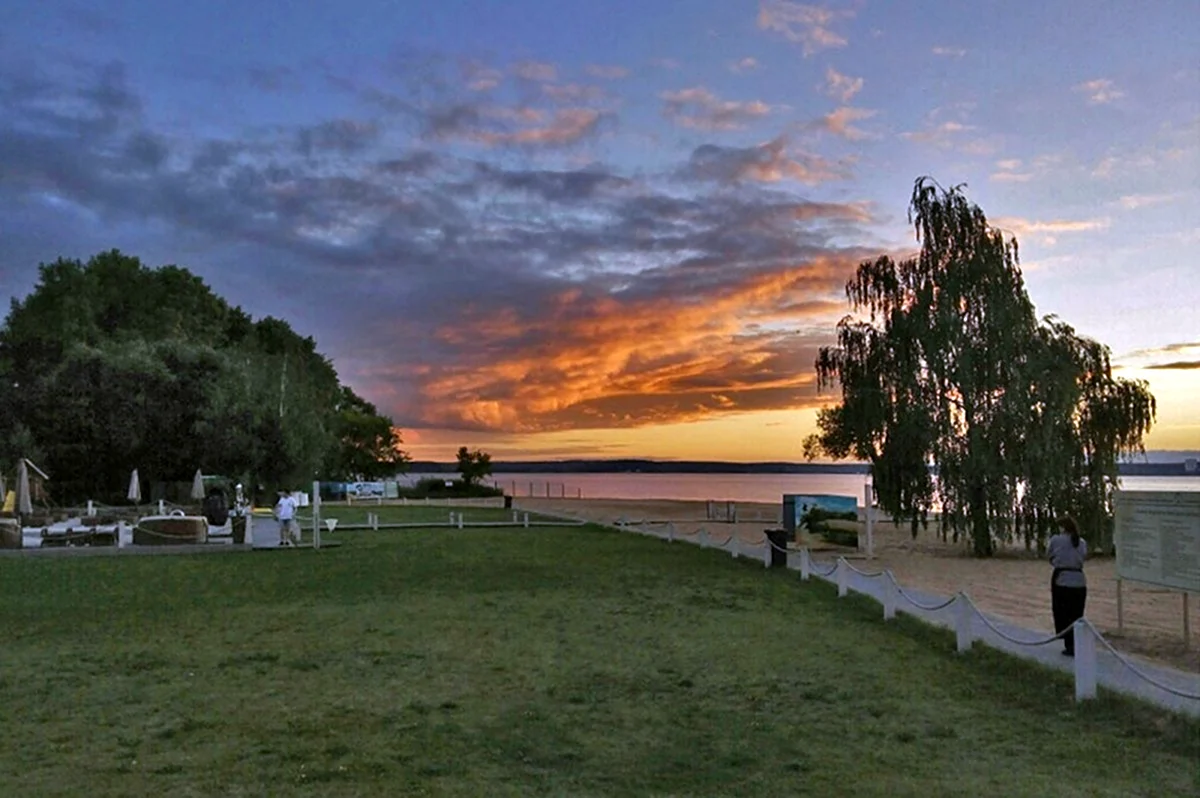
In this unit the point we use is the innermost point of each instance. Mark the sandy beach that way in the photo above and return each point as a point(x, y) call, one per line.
point(1013, 585)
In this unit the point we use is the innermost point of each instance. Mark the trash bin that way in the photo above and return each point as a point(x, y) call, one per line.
point(779, 539)
point(239, 529)
point(507, 502)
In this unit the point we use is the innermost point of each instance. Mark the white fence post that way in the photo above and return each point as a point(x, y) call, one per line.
point(805, 565)
point(843, 577)
point(526, 521)
point(962, 626)
point(1085, 661)
point(735, 547)
point(766, 548)
point(868, 490)
point(671, 532)
point(460, 520)
point(702, 538)
point(889, 596)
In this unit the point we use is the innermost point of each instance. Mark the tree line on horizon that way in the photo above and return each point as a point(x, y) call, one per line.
point(109, 366)
point(960, 397)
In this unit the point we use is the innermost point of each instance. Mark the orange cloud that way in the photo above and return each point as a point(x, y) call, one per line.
point(843, 87)
point(840, 122)
point(1100, 91)
point(1048, 231)
point(808, 26)
point(697, 107)
point(600, 359)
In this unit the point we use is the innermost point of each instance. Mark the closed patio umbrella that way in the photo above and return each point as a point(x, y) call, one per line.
point(24, 500)
point(135, 488)
point(198, 485)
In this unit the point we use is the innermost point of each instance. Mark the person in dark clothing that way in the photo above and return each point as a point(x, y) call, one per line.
point(1068, 585)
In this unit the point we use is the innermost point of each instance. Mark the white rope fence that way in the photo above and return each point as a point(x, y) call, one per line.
point(964, 610)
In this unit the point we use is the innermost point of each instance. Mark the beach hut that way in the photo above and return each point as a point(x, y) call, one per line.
point(134, 494)
point(24, 499)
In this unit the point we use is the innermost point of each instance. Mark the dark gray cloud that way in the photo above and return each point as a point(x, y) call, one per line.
point(454, 278)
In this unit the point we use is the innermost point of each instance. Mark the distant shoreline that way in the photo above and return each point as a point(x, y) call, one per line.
point(634, 466)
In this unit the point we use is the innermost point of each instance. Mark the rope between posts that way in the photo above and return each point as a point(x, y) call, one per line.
point(926, 607)
point(813, 565)
point(862, 573)
point(167, 535)
point(1033, 643)
point(1137, 671)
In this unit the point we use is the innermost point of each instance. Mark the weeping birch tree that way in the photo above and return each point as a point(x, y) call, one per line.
point(946, 371)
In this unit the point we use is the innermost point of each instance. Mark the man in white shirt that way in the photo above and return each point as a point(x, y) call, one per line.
point(285, 513)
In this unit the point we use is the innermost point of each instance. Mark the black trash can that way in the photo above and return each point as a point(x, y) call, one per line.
point(779, 539)
point(239, 529)
point(507, 502)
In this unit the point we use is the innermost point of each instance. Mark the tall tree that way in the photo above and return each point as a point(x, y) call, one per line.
point(950, 370)
point(369, 442)
point(473, 465)
point(109, 366)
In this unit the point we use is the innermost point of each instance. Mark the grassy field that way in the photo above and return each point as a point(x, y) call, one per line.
point(525, 662)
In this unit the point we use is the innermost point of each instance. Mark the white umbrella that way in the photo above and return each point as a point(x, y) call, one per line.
point(24, 500)
point(135, 488)
point(198, 485)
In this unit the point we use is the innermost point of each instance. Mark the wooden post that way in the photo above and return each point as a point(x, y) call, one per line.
point(1120, 609)
point(1187, 623)
point(962, 626)
point(867, 490)
point(316, 514)
point(1085, 661)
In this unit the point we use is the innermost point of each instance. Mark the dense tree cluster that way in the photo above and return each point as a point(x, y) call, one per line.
point(109, 366)
point(958, 395)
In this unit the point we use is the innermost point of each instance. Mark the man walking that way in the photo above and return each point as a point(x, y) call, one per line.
point(285, 513)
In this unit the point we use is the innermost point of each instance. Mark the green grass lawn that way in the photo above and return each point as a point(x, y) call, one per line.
point(519, 662)
point(417, 514)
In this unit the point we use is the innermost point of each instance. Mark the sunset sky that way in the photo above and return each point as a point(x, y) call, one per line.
point(558, 229)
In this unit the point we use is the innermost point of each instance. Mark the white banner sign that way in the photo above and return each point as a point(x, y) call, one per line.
point(1158, 538)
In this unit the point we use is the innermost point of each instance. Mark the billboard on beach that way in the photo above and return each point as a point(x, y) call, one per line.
point(796, 505)
point(1158, 538)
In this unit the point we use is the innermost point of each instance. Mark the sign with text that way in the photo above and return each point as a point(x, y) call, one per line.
point(1158, 538)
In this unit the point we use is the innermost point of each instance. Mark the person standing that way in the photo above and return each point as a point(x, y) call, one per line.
point(285, 513)
point(1068, 585)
